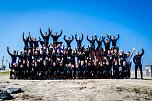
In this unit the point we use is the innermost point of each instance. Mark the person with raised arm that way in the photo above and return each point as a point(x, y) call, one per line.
point(137, 61)
point(79, 41)
point(68, 42)
point(99, 41)
point(13, 56)
point(46, 37)
point(56, 36)
point(106, 43)
point(26, 41)
point(113, 39)
point(92, 42)
point(129, 62)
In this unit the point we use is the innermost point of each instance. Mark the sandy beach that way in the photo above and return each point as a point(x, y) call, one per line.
point(79, 90)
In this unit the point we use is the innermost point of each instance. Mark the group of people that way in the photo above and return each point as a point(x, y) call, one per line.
point(41, 59)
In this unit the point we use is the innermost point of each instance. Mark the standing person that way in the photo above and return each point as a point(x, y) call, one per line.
point(13, 56)
point(137, 61)
point(114, 40)
point(129, 62)
point(79, 41)
point(30, 41)
point(122, 57)
point(55, 37)
point(46, 37)
point(99, 41)
point(106, 44)
point(36, 43)
point(68, 42)
point(92, 47)
point(26, 41)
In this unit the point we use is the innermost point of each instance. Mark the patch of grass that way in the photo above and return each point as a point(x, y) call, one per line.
point(5, 73)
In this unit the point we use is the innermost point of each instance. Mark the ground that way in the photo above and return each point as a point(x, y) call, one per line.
point(79, 90)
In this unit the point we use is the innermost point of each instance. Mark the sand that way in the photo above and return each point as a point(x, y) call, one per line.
point(79, 90)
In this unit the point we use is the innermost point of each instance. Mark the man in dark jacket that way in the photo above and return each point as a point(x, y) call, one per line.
point(137, 61)
point(26, 41)
point(55, 37)
point(13, 56)
point(46, 36)
point(79, 41)
point(68, 42)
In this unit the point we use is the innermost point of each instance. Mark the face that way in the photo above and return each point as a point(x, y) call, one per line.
point(78, 38)
point(68, 38)
point(137, 52)
point(55, 33)
point(124, 63)
point(98, 39)
point(45, 34)
point(113, 37)
point(91, 37)
point(14, 52)
point(107, 41)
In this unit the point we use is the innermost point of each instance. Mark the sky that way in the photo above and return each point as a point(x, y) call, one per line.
point(130, 18)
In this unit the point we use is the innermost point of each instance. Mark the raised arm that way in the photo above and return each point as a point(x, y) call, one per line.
point(50, 31)
point(65, 38)
point(61, 33)
point(72, 38)
point(41, 33)
point(95, 37)
point(76, 37)
point(103, 38)
point(82, 37)
point(142, 52)
point(88, 38)
point(132, 52)
point(118, 36)
point(23, 36)
point(9, 51)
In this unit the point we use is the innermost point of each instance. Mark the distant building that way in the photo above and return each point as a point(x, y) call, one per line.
point(148, 70)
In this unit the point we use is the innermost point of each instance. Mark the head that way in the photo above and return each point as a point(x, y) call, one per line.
point(107, 41)
point(124, 63)
point(45, 33)
point(14, 52)
point(113, 37)
point(55, 33)
point(107, 63)
point(137, 52)
point(82, 62)
point(91, 37)
point(79, 38)
point(98, 39)
point(128, 53)
point(69, 38)
point(121, 51)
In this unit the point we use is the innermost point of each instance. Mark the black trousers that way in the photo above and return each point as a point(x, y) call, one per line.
point(136, 68)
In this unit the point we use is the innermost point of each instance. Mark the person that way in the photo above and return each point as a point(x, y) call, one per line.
point(124, 70)
point(113, 40)
point(55, 37)
point(129, 62)
point(99, 41)
point(68, 42)
point(79, 41)
point(122, 57)
point(30, 41)
point(13, 56)
point(137, 61)
point(92, 42)
point(106, 44)
point(46, 36)
point(36, 43)
point(26, 41)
